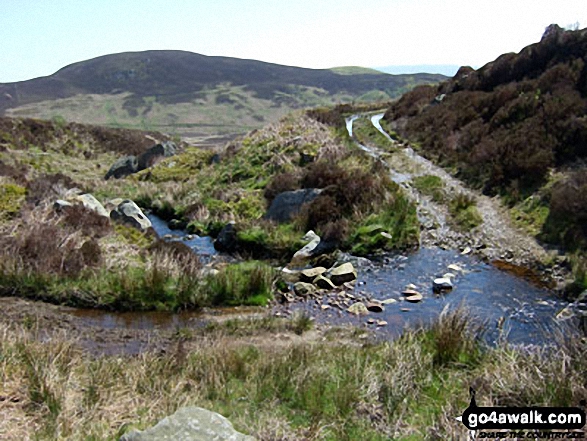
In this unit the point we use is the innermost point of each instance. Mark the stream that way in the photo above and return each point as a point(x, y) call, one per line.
point(507, 306)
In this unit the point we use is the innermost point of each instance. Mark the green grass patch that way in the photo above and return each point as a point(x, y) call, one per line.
point(464, 211)
point(245, 283)
point(11, 199)
point(430, 185)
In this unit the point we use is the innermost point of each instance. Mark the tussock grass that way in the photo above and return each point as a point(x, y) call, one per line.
point(280, 388)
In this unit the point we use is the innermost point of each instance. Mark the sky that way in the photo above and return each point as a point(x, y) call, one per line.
point(38, 37)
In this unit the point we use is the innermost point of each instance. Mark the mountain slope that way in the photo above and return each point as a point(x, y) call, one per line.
point(177, 89)
point(516, 127)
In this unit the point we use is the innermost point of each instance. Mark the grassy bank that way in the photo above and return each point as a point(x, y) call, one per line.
point(327, 385)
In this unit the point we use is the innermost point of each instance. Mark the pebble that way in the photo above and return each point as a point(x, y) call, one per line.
point(466, 251)
point(454, 267)
point(388, 301)
point(381, 323)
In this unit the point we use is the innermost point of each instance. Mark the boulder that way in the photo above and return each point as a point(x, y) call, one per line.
point(375, 306)
point(304, 289)
point(226, 241)
point(308, 250)
point(323, 282)
point(123, 167)
point(308, 275)
point(129, 213)
point(289, 203)
point(91, 203)
point(343, 273)
point(442, 284)
point(358, 309)
point(155, 154)
point(190, 424)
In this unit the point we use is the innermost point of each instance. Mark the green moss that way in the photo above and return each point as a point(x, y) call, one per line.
point(11, 199)
point(132, 235)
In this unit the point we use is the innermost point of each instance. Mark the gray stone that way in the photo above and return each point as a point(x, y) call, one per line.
point(343, 273)
point(129, 213)
point(323, 282)
point(308, 275)
point(358, 309)
point(308, 250)
point(91, 203)
point(155, 154)
point(227, 239)
point(442, 284)
point(123, 167)
point(375, 306)
point(304, 289)
point(190, 424)
point(289, 203)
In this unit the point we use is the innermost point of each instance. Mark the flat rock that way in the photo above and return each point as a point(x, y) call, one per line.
point(358, 308)
point(308, 275)
point(343, 274)
point(455, 267)
point(381, 323)
point(388, 301)
point(190, 424)
point(414, 298)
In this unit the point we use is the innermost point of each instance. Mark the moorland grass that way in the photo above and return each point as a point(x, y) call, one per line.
point(287, 388)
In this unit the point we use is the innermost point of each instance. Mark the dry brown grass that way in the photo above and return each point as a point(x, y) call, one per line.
point(271, 383)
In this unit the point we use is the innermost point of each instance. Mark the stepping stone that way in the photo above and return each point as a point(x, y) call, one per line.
point(358, 309)
point(375, 306)
point(415, 298)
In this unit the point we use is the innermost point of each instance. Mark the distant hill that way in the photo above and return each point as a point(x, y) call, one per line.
point(443, 69)
point(516, 127)
point(191, 94)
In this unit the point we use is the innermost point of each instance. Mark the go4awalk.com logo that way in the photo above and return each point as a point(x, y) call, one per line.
point(524, 422)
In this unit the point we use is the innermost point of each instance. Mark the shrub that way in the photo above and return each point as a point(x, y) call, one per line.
point(280, 183)
point(88, 222)
point(464, 211)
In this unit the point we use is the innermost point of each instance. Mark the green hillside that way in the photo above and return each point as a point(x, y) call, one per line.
point(192, 95)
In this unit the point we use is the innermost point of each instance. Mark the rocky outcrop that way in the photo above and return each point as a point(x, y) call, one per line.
point(155, 154)
point(129, 213)
point(131, 164)
point(190, 424)
point(287, 204)
point(123, 167)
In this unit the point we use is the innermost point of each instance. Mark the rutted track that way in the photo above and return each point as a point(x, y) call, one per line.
point(495, 239)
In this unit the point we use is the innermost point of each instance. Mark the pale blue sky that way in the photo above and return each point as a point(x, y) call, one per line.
point(38, 37)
